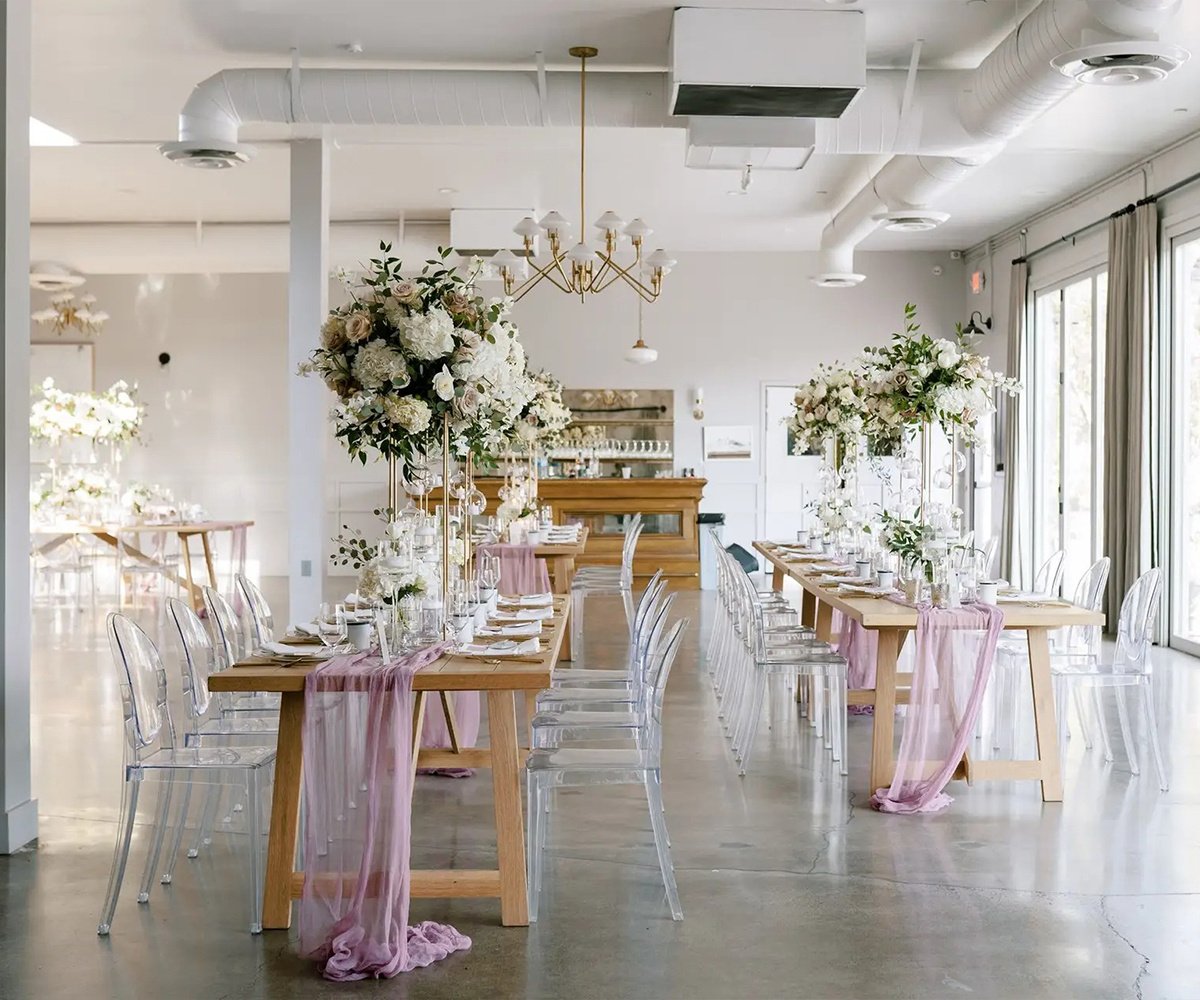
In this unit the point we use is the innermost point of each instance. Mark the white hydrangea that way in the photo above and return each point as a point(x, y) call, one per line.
point(428, 336)
point(408, 412)
point(376, 364)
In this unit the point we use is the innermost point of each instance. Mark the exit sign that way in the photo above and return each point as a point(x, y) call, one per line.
point(978, 280)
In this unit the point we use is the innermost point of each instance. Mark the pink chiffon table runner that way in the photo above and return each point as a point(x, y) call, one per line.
point(358, 784)
point(521, 571)
point(952, 661)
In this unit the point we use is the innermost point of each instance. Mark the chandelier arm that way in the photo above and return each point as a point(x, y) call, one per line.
point(533, 281)
point(625, 273)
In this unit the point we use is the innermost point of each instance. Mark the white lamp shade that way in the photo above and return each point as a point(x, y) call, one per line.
point(553, 222)
point(661, 259)
point(640, 354)
point(637, 229)
point(610, 222)
point(581, 253)
point(527, 227)
point(506, 259)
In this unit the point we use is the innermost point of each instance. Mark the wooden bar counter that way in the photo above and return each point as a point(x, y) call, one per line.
point(668, 507)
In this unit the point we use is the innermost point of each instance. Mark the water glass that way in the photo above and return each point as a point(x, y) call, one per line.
point(331, 624)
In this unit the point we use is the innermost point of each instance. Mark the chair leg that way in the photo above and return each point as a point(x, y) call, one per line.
point(661, 844)
point(176, 840)
point(533, 844)
point(212, 799)
point(161, 822)
point(1102, 723)
point(1081, 714)
point(1126, 733)
point(1152, 733)
point(129, 798)
point(755, 710)
point(254, 830)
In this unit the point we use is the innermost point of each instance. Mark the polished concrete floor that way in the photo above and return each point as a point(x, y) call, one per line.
point(790, 886)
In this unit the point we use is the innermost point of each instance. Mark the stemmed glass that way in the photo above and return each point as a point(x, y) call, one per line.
point(332, 628)
point(488, 574)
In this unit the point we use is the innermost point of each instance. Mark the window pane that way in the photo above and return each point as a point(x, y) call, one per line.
point(1046, 429)
point(1186, 478)
point(1077, 430)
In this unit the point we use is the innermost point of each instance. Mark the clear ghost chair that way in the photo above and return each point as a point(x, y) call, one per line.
point(262, 622)
point(145, 556)
point(55, 557)
point(1130, 667)
point(152, 753)
point(614, 580)
point(550, 769)
point(229, 648)
point(206, 724)
point(613, 677)
point(988, 563)
point(1012, 654)
point(1048, 580)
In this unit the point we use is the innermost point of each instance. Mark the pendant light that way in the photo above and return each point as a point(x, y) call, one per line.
point(639, 353)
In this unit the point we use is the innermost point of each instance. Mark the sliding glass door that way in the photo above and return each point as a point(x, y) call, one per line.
point(1066, 406)
point(1185, 440)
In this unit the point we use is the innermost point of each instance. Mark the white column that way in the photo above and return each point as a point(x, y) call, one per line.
point(308, 399)
point(18, 823)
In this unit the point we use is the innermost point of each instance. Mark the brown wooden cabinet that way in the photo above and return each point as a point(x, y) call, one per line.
point(670, 540)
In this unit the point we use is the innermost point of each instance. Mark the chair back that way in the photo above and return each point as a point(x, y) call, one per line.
point(1048, 580)
point(662, 659)
point(198, 661)
point(1135, 627)
point(143, 683)
point(1089, 593)
point(226, 634)
point(989, 556)
point(262, 622)
point(628, 550)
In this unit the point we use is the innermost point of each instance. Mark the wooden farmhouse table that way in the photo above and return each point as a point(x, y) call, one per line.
point(892, 622)
point(57, 534)
point(500, 680)
point(560, 560)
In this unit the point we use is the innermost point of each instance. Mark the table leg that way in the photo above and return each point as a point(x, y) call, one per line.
point(1044, 716)
point(808, 609)
point(777, 577)
point(506, 798)
point(824, 625)
point(884, 721)
point(208, 561)
point(185, 550)
point(285, 812)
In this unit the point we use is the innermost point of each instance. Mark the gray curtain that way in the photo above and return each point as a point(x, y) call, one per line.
point(1012, 532)
point(1132, 303)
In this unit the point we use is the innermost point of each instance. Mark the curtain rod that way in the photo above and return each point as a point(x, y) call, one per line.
point(1072, 236)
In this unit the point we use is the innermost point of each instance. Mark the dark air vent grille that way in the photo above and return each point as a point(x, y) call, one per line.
point(762, 102)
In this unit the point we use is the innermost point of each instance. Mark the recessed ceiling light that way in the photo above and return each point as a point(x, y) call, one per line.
point(354, 48)
point(41, 134)
point(447, 190)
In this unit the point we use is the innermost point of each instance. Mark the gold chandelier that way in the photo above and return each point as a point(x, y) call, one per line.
point(65, 311)
point(583, 270)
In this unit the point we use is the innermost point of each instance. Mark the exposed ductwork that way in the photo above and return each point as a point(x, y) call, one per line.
point(1022, 78)
point(216, 109)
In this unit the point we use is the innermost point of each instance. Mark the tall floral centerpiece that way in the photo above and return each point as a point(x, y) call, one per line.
point(422, 368)
point(919, 381)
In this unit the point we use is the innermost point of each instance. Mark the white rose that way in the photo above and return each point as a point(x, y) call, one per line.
point(819, 390)
point(443, 384)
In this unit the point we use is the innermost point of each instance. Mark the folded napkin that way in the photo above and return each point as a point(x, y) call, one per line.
point(315, 652)
point(306, 628)
point(530, 647)
point(524, 615)
point(519, 630)
point(528, 601)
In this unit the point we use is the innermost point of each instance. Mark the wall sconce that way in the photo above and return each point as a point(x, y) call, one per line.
point(973, 332)
point(698, 405)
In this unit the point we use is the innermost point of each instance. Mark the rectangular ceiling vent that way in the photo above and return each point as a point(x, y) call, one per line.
point(483, 231)
point(766, 63)
point(762, 143)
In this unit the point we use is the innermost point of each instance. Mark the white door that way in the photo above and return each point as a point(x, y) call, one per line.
point(789, 481)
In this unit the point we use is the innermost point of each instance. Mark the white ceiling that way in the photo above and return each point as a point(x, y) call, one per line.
point(115, 73)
